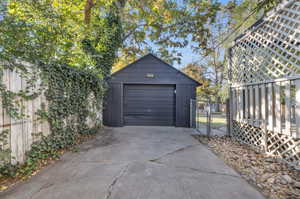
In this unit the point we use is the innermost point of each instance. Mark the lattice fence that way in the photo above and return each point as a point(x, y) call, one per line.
point(269, 49)
point(280, 145)
point(265, 88)
point(283, 146)
point(248, 134)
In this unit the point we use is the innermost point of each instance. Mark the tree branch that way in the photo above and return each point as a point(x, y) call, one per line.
point(166, 27)
point(87, 10)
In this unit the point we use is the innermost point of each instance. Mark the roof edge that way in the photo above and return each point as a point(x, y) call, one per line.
point(150, 54)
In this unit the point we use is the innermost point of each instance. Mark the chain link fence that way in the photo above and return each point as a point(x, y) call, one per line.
point(209, 118)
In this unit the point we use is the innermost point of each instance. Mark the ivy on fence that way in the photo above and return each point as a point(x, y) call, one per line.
point(70, 68)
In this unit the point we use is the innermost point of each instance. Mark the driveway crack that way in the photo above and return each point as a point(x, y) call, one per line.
point(45, 186)
point(115, 180)
point(197, 170)
point(209, 172)
point(173, 152)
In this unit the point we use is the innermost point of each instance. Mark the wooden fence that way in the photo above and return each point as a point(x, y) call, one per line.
point(17, 136)
point(265, 89)
point(23, 132)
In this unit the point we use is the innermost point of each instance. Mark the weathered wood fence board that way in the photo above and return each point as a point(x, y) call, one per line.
point(23, 132)
point(265, 71)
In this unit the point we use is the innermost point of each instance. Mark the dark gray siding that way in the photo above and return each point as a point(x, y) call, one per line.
point(163, 74)
point(113, 113)
point(184, 93)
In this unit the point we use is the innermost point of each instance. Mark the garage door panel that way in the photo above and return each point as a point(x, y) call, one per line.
point(148, 121)
point(141, 111)
point(143, 95)
point(150, 115)
point(148, 100)
point(162, 90)
point(152, 111)
point(138, 87)
point(142, 108)
point(149, 105)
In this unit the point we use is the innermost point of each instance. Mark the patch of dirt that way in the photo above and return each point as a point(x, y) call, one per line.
point(275, 179)
point(107, 138)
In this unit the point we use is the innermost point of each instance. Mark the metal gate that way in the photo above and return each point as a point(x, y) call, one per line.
point(208, 121)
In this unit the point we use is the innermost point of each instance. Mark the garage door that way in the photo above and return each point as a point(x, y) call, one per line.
point(149, 105)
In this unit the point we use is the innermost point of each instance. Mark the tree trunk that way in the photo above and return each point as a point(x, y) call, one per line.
point(218, 104)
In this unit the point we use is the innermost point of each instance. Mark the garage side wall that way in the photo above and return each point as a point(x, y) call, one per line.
point(184, 93)
point(113, 113)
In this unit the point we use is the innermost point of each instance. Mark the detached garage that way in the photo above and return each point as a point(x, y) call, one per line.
point(149, 92)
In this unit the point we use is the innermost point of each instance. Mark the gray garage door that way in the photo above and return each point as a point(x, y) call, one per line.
point(149, 105)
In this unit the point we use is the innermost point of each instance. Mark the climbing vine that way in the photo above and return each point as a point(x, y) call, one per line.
point(72, 76)
point(69, 93)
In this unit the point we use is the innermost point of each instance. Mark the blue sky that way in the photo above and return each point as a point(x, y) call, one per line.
point(188, 55)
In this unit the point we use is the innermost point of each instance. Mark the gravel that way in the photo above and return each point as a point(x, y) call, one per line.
point(275, 179)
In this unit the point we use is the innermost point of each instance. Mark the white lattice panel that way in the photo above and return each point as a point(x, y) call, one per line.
point(248, 134)
point(271, 49)
point(265, 90)
point(278, 145)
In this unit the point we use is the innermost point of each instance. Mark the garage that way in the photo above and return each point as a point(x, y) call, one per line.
point(149, 92)
point(149, 105)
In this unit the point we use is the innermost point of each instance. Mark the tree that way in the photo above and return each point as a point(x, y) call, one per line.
point(231, 23)
point(212, 62)
point(165, 24)
point(48, 31)
point(198, 73)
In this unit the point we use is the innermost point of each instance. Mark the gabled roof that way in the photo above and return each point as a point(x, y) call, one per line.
point(150, 54)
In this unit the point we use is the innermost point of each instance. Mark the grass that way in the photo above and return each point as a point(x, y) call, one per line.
point(217, 120)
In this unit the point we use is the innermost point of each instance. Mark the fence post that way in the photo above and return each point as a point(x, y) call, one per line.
point(191, 113)
point(264, 116)
point(208, 117)
point(228, 116)
point(229, 104)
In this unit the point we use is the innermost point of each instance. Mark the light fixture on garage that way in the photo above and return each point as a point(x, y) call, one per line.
point(150, 75)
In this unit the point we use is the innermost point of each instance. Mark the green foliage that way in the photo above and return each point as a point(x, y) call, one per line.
point(219, 36)
point(197, 72)
point(4, 151)
point(50, 45)
point(7, 102)
point(69, 92)
point(103, 48)
point(8, 170)
point(212, 88)
point(165, 24)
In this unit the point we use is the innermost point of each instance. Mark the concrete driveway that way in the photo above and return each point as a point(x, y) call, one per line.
point(137, 163)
